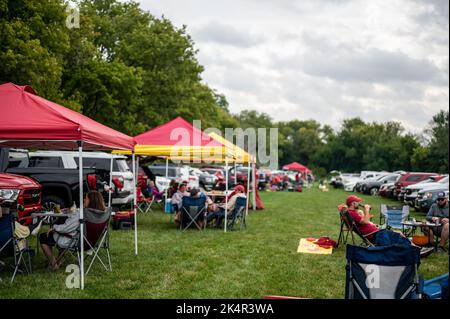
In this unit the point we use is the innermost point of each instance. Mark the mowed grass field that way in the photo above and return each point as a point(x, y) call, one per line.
point(259, 261)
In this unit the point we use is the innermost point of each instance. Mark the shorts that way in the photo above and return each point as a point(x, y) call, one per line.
point(47, 239)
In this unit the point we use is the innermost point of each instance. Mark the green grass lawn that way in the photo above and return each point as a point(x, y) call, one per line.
point(259, 261)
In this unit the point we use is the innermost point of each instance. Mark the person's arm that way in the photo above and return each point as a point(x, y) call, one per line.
point(70, 225)
point(430, 216)
point(231, 203)
point(366, 217)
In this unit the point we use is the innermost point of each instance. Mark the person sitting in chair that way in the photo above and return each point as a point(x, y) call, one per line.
point(377, 236)
point(219, 214)
point(153, 191)
point(177, 200)
point(62, 235)
point(439, 213)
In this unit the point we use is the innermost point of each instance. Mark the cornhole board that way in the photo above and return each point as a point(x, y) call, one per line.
point(308, 247)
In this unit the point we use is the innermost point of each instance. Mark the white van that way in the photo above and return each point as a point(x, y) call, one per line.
point(99, 160)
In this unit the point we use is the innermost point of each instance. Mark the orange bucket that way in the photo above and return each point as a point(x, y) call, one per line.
point(420, 240)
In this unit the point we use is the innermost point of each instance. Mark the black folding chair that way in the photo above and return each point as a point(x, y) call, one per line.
point(238, 214)
point(193, 210)
point(12, 247)
point(349, 226)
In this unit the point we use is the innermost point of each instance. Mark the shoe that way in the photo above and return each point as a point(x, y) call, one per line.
point(426, 251)
point(37, 228)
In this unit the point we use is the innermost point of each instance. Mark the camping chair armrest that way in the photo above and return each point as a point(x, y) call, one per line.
point(369, 234)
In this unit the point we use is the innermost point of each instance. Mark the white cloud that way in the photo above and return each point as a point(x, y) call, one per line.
point(322, 59)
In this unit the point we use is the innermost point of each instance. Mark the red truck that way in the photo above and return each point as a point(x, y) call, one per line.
point(20, 191)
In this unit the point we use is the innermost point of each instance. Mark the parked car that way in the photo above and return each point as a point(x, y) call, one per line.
point(206, 180)
point(218, 172)
point(426, 198)
point(122, 176)
point(349, 181)
point(178, 173)
point(409, 178)
point(60, 185)
point(17, 190)
point(412, 190)
point(368, 176)
point(387, 190)
point(144, 174)
point(372, 186)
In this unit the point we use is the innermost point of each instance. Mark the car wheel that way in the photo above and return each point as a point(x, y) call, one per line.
point(374, 191)
point(49, 202)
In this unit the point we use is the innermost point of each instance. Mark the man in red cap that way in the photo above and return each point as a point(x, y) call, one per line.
point(362, 218)
point(371, 231)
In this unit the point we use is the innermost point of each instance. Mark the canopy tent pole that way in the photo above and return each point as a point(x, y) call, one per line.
point(133, 162)
point(235, 173)
point(226, 193)
point(254, 185)
point(80, 180)
point(167, 177)
point(110, 181)
point(248, 189)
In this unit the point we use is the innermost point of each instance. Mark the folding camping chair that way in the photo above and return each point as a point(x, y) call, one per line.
point(384, 272)
point(10, 246)
point(192, 210)
point(143, 204)
point(96, 237)
point(238, 214)
point(394, 216)
point(348, 226)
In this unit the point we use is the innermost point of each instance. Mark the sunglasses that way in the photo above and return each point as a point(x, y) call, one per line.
point(441, 199)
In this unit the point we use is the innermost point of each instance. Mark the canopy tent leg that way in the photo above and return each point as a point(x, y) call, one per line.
point(167, 175)
point(248, 189)
point(80, 180)
point(110, 181)
point(254, 186)
point(235, 173)
point(226, 194)
point(133, 162)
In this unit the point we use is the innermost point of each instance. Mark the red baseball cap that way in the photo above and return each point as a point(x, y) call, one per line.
point(351, 199)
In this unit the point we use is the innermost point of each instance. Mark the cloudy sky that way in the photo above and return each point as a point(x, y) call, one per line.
point(322, 59)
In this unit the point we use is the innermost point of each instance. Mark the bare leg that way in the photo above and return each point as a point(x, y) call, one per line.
point(48, 251)
point(444, 235)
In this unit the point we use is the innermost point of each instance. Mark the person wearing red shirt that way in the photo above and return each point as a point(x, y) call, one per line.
point(373, 232)
point(362, 218)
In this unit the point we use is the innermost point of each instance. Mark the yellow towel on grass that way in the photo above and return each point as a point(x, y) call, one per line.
point(308, 247)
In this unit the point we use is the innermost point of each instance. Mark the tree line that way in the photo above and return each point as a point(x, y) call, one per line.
point(133, 71)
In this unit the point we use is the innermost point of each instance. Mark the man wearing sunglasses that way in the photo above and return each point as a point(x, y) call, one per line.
point(439, 213)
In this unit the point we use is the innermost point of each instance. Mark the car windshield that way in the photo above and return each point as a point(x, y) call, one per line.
point(119, 164)
point(161, 171)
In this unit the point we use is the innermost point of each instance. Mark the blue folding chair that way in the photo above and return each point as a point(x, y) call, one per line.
point(10, 246)
point(394, 216)
point(238, 214)
point(435, 288)
point(383, 272)
point(193, 210)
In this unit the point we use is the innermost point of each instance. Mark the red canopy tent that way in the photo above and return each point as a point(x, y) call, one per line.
point(30, 121)
point(297, 167)
point(176, 134)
